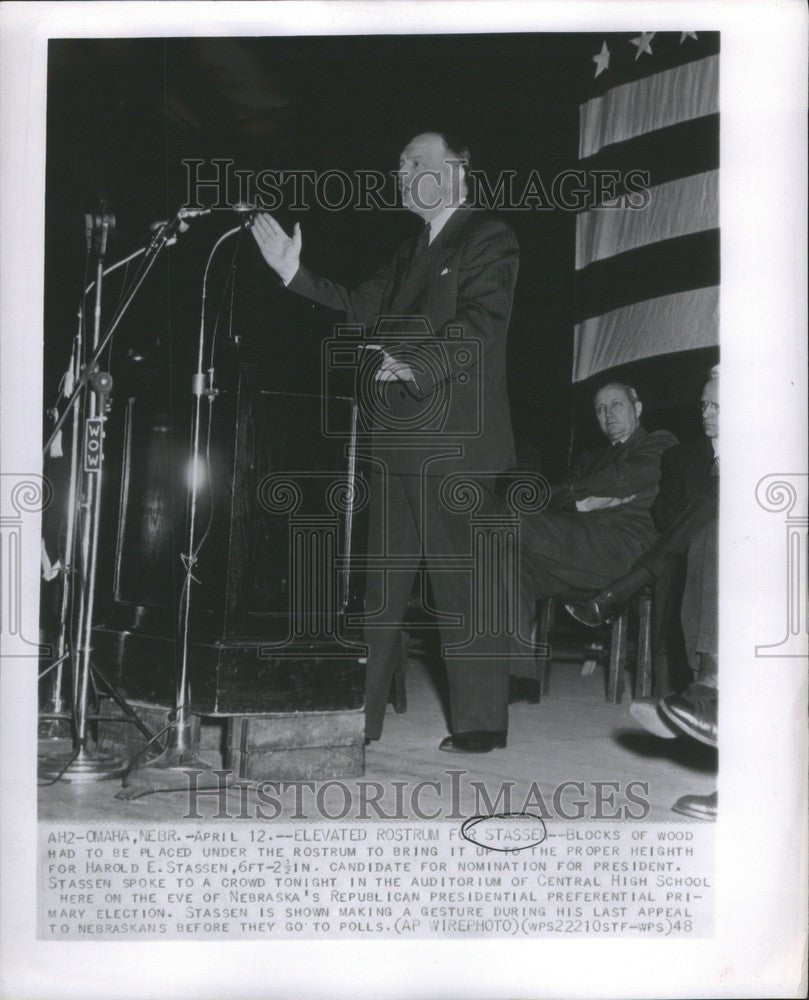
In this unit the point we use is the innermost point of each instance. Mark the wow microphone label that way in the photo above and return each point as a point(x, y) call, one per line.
point(93, 438)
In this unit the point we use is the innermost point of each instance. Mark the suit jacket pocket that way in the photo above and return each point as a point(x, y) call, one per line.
point(439, 297)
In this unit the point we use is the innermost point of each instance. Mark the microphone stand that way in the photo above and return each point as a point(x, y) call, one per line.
point(164, 236)
point(85, 763)
point(56, 715)
point(56, 711)
point(168, 772)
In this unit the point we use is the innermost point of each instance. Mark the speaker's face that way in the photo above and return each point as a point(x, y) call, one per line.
point(429, 177)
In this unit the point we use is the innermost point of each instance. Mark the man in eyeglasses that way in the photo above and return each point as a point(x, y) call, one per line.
point(686, 510)
point(690, 472)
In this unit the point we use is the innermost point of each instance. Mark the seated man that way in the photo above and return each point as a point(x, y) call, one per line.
point(599, 520)
point(687, 507)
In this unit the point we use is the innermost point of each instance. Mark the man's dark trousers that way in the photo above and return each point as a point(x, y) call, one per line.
point(410, 521)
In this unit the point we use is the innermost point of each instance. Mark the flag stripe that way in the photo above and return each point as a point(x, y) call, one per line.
point(648, 272)
point(681, 322)
point(689, 205)
point(675, 95)
point(668, 154)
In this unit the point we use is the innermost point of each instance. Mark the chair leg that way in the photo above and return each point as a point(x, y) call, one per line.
point(544, 626)
point(615, 676)
point(643, 675)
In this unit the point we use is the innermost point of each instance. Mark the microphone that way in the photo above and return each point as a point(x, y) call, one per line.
point(171, 228)
point(193, 213)
point(181, 216)
point(98, 227)
point(179, 224)
point(247, 213)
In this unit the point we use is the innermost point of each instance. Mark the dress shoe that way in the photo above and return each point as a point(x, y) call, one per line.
point(646, 712)
point(597, 611)
point(474, 742)
point(694, 712)
point(608, 604)
point(698, 806)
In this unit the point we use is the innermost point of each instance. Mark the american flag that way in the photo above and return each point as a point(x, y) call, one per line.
point(648, 277)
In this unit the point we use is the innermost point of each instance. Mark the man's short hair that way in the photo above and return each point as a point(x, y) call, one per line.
point(456, 145)
point(628, 390)
point(712, 379)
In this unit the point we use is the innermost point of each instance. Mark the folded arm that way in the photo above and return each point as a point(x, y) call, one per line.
point(634, 476)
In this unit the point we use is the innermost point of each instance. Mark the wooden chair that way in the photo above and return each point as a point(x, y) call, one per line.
point(617, 632)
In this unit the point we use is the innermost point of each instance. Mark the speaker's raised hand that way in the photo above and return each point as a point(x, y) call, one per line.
point(282, 252)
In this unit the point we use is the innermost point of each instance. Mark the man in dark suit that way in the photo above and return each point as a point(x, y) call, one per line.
point(434, 404)
point(684, 563)
point(686, 510)
point(599, 518)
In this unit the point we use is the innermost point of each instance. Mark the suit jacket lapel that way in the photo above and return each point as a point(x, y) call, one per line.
point(706, 458)
point(615, 453)
point(432, 257)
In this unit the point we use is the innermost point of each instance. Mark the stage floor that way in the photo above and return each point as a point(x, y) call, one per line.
point(574, 735)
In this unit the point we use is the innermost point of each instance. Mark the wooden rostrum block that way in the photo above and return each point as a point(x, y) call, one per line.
point(297, 746)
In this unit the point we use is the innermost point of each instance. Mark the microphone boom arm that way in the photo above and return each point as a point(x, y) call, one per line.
point(161, 238)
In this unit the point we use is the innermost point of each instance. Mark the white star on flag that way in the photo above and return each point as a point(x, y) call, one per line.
point(687, 34)
point(602, 60)
point(643, 42)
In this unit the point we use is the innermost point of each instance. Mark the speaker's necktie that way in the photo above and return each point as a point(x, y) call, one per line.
point(419, 246)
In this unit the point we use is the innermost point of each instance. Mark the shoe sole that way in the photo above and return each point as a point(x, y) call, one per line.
point(683, 727)
point(651, 720)
point(694, 813)
point(499, 746)
point(581, 621)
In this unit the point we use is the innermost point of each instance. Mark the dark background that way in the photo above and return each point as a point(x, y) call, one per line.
point(124, 113)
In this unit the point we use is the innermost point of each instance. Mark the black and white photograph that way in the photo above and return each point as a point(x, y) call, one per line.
point(368, 572)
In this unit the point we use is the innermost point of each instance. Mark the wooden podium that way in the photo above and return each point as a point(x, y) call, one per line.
point(272, 583)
